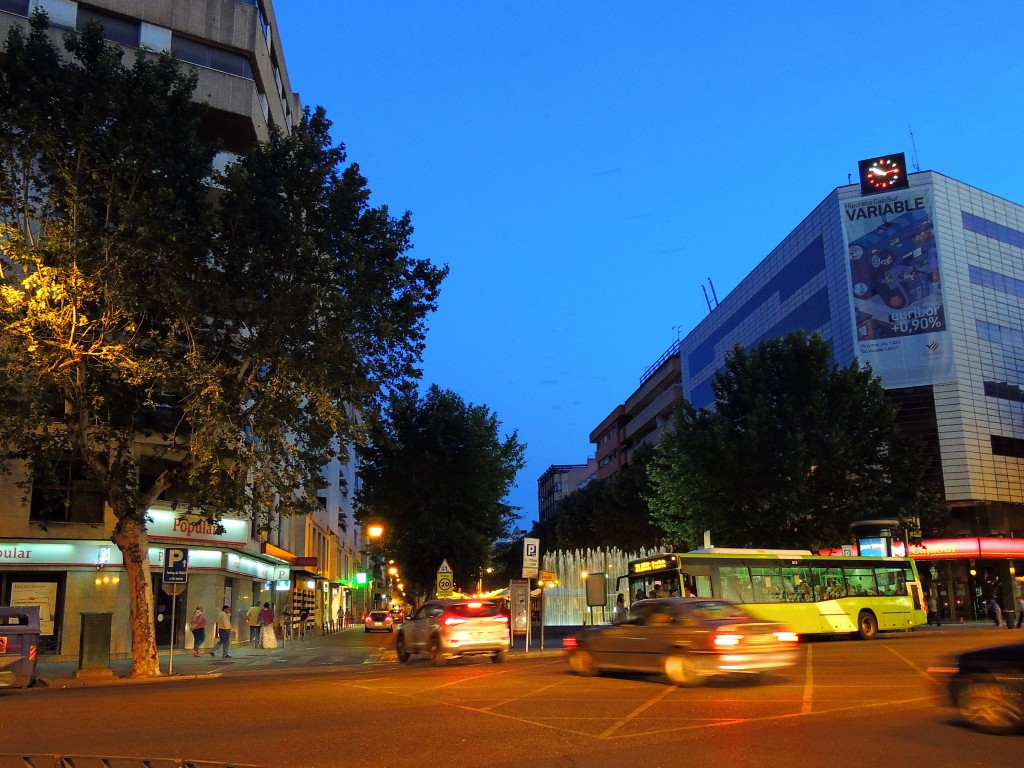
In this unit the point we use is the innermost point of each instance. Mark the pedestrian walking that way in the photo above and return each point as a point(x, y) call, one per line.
point(933, 611)
point(995, 612)
point(252, 618)
point(268, 639)
point(197, 624)
point(621, 614)
point(223, 633)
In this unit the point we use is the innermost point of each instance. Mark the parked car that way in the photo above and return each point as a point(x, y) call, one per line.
point(686, 639)
point(986, 687)
point(379, 621)
point(444, 629)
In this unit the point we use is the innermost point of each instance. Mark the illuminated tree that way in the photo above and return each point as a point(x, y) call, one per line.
point(210, 349)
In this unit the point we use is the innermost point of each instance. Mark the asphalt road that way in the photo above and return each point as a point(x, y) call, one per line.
point(848, 703)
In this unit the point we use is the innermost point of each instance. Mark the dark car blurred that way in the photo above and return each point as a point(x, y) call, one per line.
point(986, 687)
point(379, 621)
point(444, 629)
point(686, 639)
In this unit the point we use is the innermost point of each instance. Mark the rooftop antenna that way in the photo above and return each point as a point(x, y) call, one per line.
point(913, 148)
point(713, 294)
point(706, 299)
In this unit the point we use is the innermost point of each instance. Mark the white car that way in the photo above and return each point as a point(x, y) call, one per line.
point(444, 629)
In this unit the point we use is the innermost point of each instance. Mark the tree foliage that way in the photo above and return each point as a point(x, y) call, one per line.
point(208, 348)
point(611, 512)
point(794, 451)
point(435, 475)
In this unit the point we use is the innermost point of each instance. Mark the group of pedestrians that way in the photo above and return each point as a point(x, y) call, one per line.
point(994, 610)
point(261, 629)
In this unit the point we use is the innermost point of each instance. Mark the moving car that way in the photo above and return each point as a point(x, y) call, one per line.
point(379, 621)
point(444, 629)
point(686, 639)
point(986, 687)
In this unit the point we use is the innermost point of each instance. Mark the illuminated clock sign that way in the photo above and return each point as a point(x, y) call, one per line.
point(883, 174)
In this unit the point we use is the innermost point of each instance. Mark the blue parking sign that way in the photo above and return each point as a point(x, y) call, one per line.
point(175, 565)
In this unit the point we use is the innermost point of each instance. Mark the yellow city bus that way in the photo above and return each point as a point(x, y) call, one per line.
point(811, 594)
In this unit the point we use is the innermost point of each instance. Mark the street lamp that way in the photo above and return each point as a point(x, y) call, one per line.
point(373, 532)
point(583, 578)
point(480, 580)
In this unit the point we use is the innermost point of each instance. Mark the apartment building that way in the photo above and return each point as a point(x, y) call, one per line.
point(69, 566)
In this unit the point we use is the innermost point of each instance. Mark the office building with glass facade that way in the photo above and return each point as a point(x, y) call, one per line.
point(926, 285)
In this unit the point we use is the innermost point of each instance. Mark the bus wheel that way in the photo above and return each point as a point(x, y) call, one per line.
point(682, 669)
point(582, 663)
point(867, 625)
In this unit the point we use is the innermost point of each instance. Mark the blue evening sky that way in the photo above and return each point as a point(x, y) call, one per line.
point(584, 167)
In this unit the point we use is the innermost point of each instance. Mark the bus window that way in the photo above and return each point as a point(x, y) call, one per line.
point(702, 586)
point(892, 580)
point(828, 583)
point(796, 584)
point(767, 584)
point(735, 581)
point(860, 582)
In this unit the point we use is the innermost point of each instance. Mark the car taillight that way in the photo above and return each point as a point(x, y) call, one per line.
point(450, 620)
point(786, 636)
point(727, 639)
point(500, 617)
point(568, 643)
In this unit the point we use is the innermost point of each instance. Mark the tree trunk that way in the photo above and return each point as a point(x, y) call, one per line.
point(131, 538)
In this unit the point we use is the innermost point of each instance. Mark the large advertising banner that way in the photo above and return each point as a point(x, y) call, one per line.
point(897, 287)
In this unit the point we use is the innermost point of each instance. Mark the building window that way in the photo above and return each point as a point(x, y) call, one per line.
point(19, 7)
point(1007, 446)
point(114, 29)
point(66, 494)
point(211, 57)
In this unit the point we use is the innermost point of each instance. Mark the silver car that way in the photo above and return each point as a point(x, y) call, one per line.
point(444, 629)
point(686, 639)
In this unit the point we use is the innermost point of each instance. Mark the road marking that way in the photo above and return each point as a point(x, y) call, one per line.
point(636, 712)
point(805, 707)
point(531, 693)
point(923, 673)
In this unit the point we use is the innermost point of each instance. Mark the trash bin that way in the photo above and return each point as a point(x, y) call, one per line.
point(19, 641)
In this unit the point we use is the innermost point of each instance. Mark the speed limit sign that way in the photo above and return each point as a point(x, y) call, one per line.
point(444, 580)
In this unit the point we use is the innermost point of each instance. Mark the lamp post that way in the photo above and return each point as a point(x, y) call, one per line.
point(583, 578)
point(373, 532)
point(480, 580)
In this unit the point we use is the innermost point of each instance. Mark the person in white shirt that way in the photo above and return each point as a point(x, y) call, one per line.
point(223, 633)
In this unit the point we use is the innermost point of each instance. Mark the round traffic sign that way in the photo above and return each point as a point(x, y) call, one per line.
point(444, 583)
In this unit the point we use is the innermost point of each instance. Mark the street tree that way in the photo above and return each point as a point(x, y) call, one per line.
point(793, 451)
point(213, 350)
point(435, 474)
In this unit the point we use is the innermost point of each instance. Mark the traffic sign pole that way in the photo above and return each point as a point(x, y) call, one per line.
point(176, 577)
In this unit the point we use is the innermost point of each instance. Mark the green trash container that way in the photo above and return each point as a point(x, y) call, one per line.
point(19, 643)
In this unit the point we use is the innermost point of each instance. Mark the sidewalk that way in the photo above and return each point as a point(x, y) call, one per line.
point(312, 654)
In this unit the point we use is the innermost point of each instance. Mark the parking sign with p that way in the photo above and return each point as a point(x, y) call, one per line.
point(175, 565)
